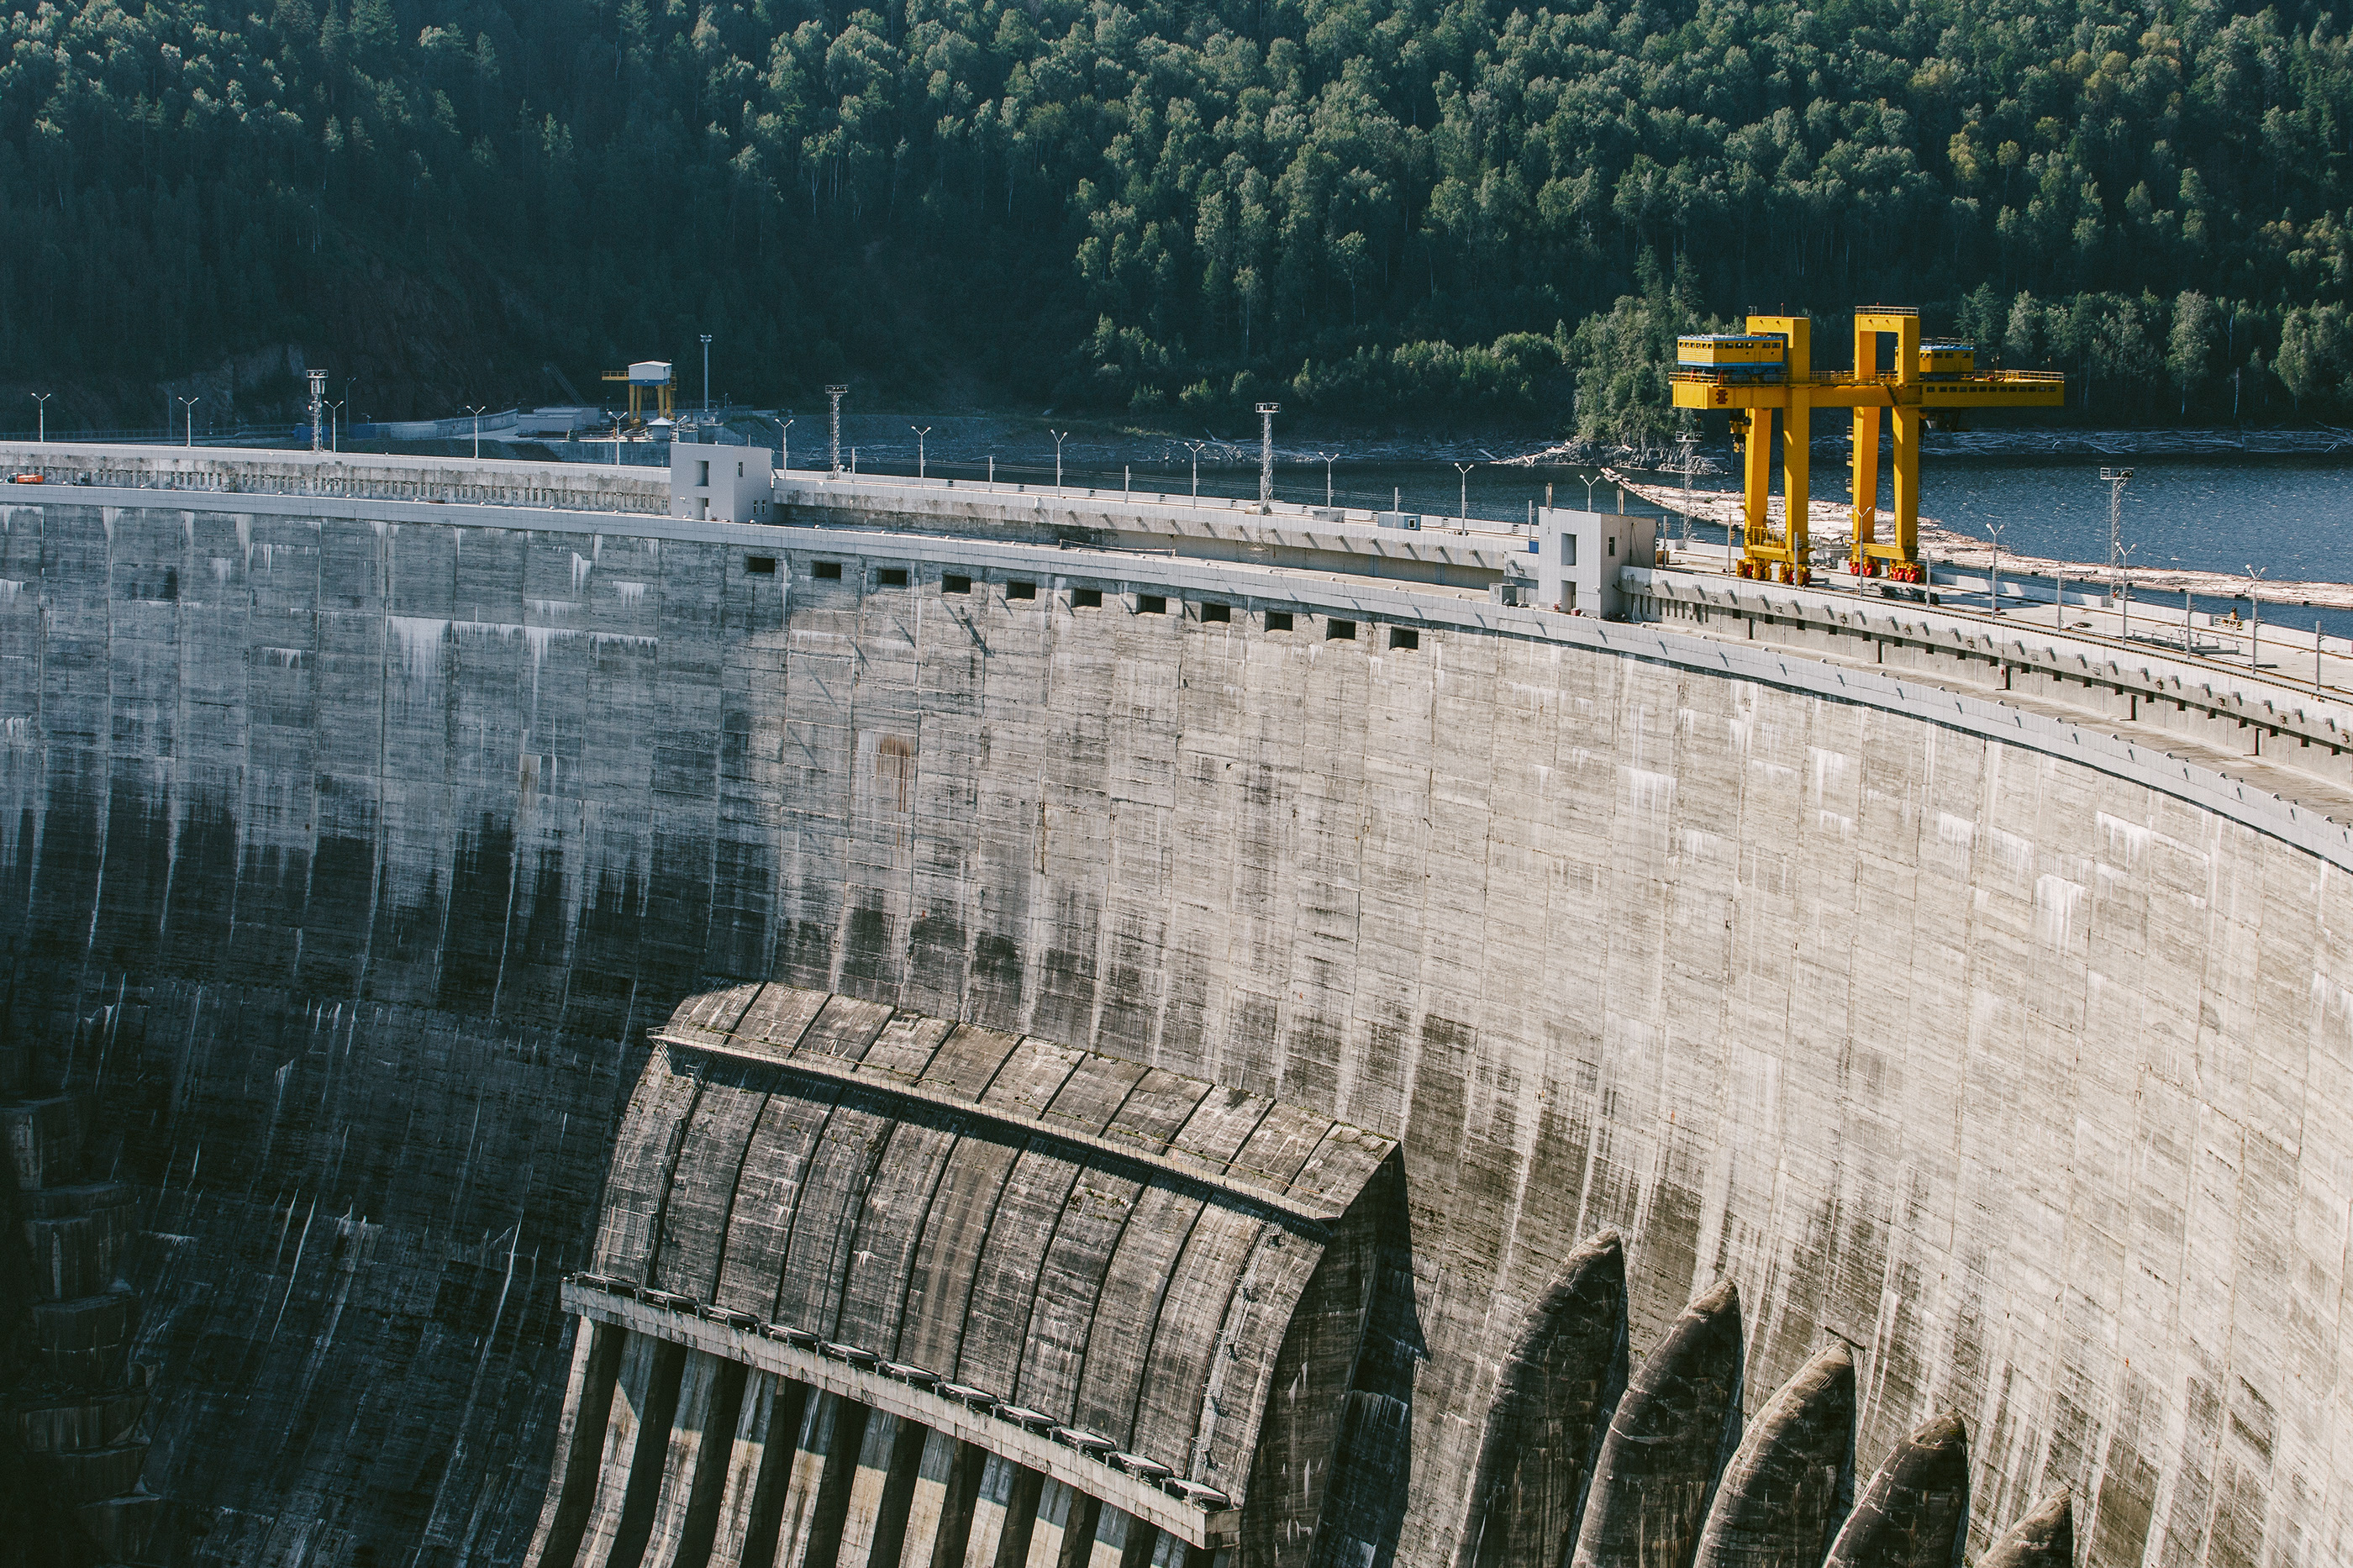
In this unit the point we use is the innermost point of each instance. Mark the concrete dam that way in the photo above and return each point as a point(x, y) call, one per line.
point(950, 1027)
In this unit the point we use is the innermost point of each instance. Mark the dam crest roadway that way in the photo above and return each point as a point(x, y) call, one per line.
point(933, 1025)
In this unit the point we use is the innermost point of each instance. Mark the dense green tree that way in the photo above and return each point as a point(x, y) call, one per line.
point(1363, 206)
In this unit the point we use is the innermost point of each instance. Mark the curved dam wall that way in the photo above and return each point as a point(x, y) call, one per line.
point(352, 848)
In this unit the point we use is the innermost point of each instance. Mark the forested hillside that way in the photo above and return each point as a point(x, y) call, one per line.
point(1365, 207)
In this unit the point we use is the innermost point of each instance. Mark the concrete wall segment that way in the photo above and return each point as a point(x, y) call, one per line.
point(2007, 1051)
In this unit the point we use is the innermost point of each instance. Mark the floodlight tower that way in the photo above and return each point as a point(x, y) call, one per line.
point(835, 394)
point(2116, 480)
point(318, 402)
point(1266, 413)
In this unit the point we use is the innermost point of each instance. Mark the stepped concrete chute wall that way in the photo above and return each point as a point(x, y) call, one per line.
point(349, 853)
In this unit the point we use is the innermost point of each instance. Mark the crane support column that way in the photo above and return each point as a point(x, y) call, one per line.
point(1901, 384)
point(1865, 465)
point(1911, 421)
point(1756, 478)
point(1796, 436)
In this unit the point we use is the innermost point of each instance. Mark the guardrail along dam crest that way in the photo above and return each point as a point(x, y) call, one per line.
point(591, 1017)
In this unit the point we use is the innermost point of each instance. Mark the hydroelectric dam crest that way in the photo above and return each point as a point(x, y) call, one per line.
point(571, 1016)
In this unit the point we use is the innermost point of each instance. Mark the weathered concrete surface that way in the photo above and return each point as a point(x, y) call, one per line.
point(348, 862)
point(1673, 1429)
point(1783, 1497)
point(1916, 1511)
point(1553, 1395)
point(2043, 1539)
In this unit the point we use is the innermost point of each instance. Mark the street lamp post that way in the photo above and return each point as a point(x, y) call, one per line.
point(475, 410)
point(921, 431)
point(1059, 436)
point(189, 404)
point(1195, 447)
point(784, 445)
point(2124, 590)
point(41, 399)
point(335, 426)
point(1328, 459)
point(1993, 598)
point(2254, 617)
point(1464, 470)
point(706, 373)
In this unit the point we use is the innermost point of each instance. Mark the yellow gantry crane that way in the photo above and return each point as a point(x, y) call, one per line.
point(648, 375)
point(1769, 368)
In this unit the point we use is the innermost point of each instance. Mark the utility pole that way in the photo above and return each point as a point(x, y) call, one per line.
point(1464, 470)
point(41, 401)
point(2124, 597)
point(318, 403)
point(1689, 441)
point(189, 404)
point(475, 410)
point(834, 442)
point(1266, 413)
point(2116, 480)
point(1060, 437)
point(919, 432)
point(706, 373)
point(1993, 531)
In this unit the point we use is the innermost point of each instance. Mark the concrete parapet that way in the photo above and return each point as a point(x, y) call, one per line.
point(255, 471)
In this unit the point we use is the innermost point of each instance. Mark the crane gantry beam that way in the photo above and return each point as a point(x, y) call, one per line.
point(1769, 370)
